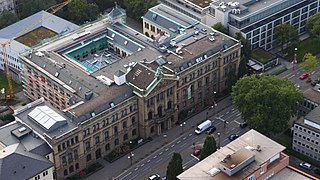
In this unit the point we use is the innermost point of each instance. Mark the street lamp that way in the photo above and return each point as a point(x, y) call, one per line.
point(181, 125)
point(131, 157)
point(295, 58)
point(218, 140)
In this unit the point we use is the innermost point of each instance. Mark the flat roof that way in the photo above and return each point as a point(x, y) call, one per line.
point(314, 115)
point(200, 3)
point(288, 173)
point(252, 138)
point(312, 95)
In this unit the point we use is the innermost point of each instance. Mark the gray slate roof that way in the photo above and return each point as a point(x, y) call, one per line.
point(314, 115)
point(116, 12)
point(17, 163)
point(40, 19)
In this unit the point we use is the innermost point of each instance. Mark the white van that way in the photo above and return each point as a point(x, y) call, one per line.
point(203, 127)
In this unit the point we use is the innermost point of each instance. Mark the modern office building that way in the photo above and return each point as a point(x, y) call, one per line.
point(251, 156)
point(306, 132)
point(23, 155)
point(255, 20)
point(311, 100)
point(113, 84)
point(28, 32)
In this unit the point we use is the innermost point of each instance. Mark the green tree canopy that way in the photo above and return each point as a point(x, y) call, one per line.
point(7, 18)
point(175, 167)
point(245, 55)
point(30, 7)
point(310, 62)
point(81, 11)
point(219, 27)
point(285, 33)
point(313, 25)
point(266, 102)
point(137, 8)
point(209, 147)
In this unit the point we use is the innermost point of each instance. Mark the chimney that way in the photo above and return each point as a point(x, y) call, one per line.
point(119, 77)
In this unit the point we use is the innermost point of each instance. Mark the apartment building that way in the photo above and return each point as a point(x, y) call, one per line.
point(6, 5)
point(110, 84)
point(251, 156)
point(29, 32)
point(23, 154)
point(306, 132)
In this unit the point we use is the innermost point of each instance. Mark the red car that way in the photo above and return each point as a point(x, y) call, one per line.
point(304, 75)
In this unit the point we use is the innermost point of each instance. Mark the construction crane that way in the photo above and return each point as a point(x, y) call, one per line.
point(51, 11)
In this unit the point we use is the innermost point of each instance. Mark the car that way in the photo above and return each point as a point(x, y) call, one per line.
point(315, 82)
point(232, 137)
point(304, 75)
point(197, 152)
point(243, 125)
point(155, 177)
point(211, 130)
point(306, 165)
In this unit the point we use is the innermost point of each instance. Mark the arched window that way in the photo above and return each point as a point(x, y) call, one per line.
point(71, 169)
point(150, 115)
point(147, 34)
point(65, 172)
point(125, 137)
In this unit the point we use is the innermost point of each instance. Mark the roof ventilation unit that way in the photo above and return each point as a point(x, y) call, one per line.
point(88, 95)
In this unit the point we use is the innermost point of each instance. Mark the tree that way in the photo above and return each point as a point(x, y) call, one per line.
point(245, 55)
point(7, 18)
point(80, 11)
point(33, 6)
point(175, 167)
point(266, 102)
point(137, 8)
point(219, 27)
point(310, 62)
point(285, 33)
point(209, 147)
point(313, 25)
point(232, 79)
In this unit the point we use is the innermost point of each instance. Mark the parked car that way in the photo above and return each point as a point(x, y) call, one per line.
point(155, 177)
point(197, 152)
point(211, 130)
point(306, 165)
point(304, 75)
point(315, 82)
point(232, 137)
point(243, 125)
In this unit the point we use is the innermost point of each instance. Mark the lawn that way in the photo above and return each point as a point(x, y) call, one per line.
point(262, 55)
point(36, 36)
point(4, 83)
point(311, 45)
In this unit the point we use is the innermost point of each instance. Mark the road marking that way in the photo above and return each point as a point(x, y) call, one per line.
point(291, 76)
point(184, 167)
point(136, 169)
point(224, 140)
point(183, 144)
point(313, 72)
point(141, 165)
point(227, 112)
point(195, 157)
point(160, 153)
point(134, 176)
point(148, 161)
point(194, 138)
point(126, 175)
point(166, 149)
point(221, 116)
point(238, 114)
point(232, 109)
point(178, 142)
point(233, 129)
point(184, 138)
point(237, 122)
point(190, 134)
point(154, 157)
point(172, 145)
point(158, 160)
point(146, 168)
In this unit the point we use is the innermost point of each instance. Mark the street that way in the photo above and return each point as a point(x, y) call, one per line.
point(158, 161)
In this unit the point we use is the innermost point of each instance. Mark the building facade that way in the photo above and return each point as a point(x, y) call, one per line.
point(111, 85)
point(306, 132)
point(7, 5)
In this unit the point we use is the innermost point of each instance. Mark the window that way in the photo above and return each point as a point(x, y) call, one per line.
point(87, 145)
point(134, 132)
point(97, 139)
point(125, 137)
point(251, 177)
point(65, 172)
point(106, 135)
point(261, 170)
point(88, 157)
point(116, 142)
point(124, 124)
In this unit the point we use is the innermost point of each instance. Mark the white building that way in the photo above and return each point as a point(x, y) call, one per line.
point(6, 5)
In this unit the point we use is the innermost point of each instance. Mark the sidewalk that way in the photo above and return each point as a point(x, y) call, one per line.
point(111, 170)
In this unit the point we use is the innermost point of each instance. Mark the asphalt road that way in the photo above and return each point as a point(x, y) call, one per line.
point(158, 161)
